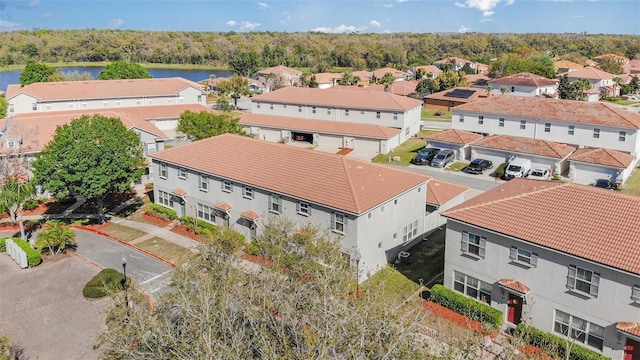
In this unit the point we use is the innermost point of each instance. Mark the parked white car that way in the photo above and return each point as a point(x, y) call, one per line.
point(539, 174)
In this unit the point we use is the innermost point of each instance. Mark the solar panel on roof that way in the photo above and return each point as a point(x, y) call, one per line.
point(460, 93)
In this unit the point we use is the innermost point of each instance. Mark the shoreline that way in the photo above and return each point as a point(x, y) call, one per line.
point(105, 63)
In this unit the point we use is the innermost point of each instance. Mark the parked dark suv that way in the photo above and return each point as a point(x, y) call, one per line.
point(478, 166)
point(606, 184)
point(425, 156)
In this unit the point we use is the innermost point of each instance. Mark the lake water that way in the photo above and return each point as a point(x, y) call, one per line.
point(13, 77)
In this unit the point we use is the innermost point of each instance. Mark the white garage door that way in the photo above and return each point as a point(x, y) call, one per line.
point(166, 124)
point(588, 174)
point(495, 156)
point(330, 141)
point(371, 145)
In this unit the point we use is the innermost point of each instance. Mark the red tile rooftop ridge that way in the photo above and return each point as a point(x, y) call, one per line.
point(629, 327)
point(455, 136)
point(440, 192)
point(250, 215)
point(603, 156)
point(515, 285)
point(222, 205)
point(179, 192)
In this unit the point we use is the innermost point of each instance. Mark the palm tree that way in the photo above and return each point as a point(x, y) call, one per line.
point(387, 80)
point(489, 88)
point(504, 90)
point(56, 238)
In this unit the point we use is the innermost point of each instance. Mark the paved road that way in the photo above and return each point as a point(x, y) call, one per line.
point(479, 182)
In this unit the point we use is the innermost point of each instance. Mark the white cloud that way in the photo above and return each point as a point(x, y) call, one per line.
point(115, 23)
point(9, 26)
point(262, 5)
point(339, 29)
point(375, 23)
point(388, 6)
point(510, 2)
point(401, 1)
point(486, 6)
point(463, 29)
point(27, 3)
point(249, 25)
point(47, 15)
point(231, 23)
point(486, 20)
point(488, 13)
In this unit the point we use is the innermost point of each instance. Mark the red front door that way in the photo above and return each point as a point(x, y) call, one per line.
point(632, 350)
point(514, 309)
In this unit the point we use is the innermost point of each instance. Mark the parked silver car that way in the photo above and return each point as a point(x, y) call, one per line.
point(444, 158)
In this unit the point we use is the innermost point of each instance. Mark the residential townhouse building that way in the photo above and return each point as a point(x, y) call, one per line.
point(429, 71)
point(564, 121)
point(563, 66)
point(527, 84)
point(237, 181)
point(601, 81)
point(279, 76)
point(102, 94)
point(562, 257)
point(337, 104)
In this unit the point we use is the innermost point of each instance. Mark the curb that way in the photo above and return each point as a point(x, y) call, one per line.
point(169, 262)
point(73, 253)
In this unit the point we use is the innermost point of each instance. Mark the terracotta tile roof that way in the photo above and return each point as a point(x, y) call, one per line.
point(335, 181)
point(566, 64)
point(323, 78)
point(429, 69)
point(214, 82)
point(477, 79)
point(440, 192)
point(364, 75)
point(280, 69)
point(588, 73)
point(444, 95)
point(514, 285)
point(601, 156)
point(525, 145)
point(530, 107)
point(320, 126)
point(524, 79)
point(629, 327)
point(37, 129)
point(611, 56)
point(222, 205)
point(396, 73)
point(102, 89)
point(459, 61)
point(250, 215)
point(455, 136)
point(179, 191)
point(402, 88)
point(576, 225)
point(340, 98)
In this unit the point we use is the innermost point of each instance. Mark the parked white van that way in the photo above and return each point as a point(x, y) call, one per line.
point(518, 167)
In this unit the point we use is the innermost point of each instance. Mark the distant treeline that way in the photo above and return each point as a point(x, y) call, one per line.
point(317, 51)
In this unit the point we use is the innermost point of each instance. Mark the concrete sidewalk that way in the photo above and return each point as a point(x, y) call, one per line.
point(161, 232)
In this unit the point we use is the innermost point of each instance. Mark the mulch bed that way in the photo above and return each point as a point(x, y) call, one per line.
point(155, 220)
point(452, 316)
point(184, 231)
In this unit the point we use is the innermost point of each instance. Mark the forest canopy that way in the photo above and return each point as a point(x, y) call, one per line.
point(317, 51)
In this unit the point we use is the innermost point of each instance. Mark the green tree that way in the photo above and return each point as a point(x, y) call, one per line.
point(611, 66)
point(427, 86)
point(56, 237)
point(348, 79)
point(635, 84)
point(36, 72)
point(30, 49)
point(387, 80)
point(312, 83)
point(235, 87)
point(302, 307)
point(566, 89)
point(245, 64)
point(451, 79)
point(90, 158)
point(504, 90)
point(202, 125)
point(3, 106)
point(124, 70)
point(13, 195)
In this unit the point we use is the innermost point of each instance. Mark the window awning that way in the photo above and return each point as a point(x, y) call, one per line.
point(514, 286)
point(629, 329)
point(250, 215)
point(179, 192)
point(223, 206)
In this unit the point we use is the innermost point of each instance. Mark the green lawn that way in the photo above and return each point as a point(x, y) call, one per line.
point(426, 263)
point(393, 285)
point(164, 249)
point(406, 151)
point(632, 185)
point(430, 114)
point(457, 166)
point(122, 232)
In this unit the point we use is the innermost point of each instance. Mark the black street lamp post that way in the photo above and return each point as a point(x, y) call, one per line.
point(124, 283)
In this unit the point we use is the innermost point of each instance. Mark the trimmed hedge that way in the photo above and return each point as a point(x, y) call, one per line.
point(33, 256)
point(205, 229)
point(3, 245)
point(163, 211)
point(554, 344)
point(500, 169)
point(106, 282)
point(466, 306)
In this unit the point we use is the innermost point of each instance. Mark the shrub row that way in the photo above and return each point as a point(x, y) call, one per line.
point(3, 245)
point(467, 306)
point(555, 344)
point(500, 169)
point(33, 256)
point(204, 229)
point(162, 211)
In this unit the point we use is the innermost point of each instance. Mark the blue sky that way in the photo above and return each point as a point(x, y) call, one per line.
point(333, 16)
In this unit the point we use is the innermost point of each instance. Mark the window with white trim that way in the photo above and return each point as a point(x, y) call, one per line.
point(501, 122)
point(583, 280)
point(472, 244)
point(300, 108)
point(328, 111)
point(275, 204)
point(270, 106)
point(523, 256)
point(164, 198)
point(150, 101)
point(138, 101)
point(303, 208)
point(480, 119)
point(377, 114)
point(164, 170)
point(247, 192)
point(346, 112)
point(410, 231)
point(547, 127)
point(34, 107)
point(338, 222)
point(182, 173)
point(395, 116)
point(257, 105)
point(622, 136)
point(578, 329)
point(206, 213)
point(226, 186)
point(313, 109)
point(596, 133)
point(361, 112)
point(105, 103)
point(117, 102)
point(70, 105)
point(572, 130)
point(461, 119)
point(472, 287)
point(635, 293)
point(150, 147)
point(199, 98)
point(203, 182)
point(523, 124)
